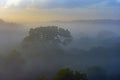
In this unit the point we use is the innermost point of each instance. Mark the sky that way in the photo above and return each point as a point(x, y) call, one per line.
point(33, 11)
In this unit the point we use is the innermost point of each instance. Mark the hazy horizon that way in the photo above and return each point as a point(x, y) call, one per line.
point(32, 11)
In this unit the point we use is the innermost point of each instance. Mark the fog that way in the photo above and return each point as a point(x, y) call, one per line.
point(11, 34)
point(24, 56)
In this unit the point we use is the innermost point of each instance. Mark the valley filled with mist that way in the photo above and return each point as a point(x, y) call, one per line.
point(30, 51)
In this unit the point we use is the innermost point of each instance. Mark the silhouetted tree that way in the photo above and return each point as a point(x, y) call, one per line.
point(67, 74)
point(48, 40)
point(51, 35)
point(45, 46)
point(79, 76)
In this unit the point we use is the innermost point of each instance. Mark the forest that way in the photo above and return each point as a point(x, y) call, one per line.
point(49, 53)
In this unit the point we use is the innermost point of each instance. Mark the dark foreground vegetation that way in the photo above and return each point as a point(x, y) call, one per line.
point(67, 74)
point(45, 53)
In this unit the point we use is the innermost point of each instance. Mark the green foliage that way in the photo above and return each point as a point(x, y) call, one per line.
point(67, 74)
point(64, 74)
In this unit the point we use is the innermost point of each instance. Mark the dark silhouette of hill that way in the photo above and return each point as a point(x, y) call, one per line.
point(102, 21)
point(8, 25)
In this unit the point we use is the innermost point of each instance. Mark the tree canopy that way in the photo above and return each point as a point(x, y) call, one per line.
point(51, 35)
point(67, 74)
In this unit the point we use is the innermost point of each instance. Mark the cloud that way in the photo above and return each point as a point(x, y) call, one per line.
point(12, 3)
point(56, 3)
point(49, 10)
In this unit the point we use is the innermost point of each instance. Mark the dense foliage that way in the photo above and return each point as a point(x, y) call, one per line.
point(68, 74)
point(51, 35)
